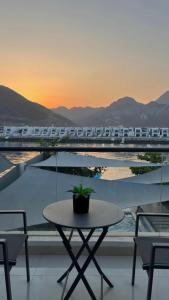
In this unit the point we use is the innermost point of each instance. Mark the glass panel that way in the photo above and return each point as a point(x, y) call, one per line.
point(136, 181)
point(155, 195)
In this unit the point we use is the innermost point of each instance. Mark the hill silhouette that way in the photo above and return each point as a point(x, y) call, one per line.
point(123, 112)
point(163, 99)
point(17, 110)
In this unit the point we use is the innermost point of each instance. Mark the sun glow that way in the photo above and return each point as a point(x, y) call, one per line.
point(83, 53)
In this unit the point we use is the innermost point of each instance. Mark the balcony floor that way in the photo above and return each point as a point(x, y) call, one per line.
point(45, 269)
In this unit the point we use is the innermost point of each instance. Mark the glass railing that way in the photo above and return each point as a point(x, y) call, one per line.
point(134, 178)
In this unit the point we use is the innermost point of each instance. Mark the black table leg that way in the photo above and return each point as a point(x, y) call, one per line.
point(82, 269)
point(85, 243)
point(75, 263)
point(86, 263)
point(77, 256)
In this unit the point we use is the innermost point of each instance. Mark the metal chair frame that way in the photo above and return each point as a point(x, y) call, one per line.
point(155, 246)
point(4, 245)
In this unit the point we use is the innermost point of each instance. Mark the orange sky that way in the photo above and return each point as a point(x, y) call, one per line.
point(85, 53)
point(87, 94)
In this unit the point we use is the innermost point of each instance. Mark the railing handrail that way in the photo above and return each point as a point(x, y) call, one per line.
point(83, 149)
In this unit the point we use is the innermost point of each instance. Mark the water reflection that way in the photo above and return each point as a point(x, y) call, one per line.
point(18, 157)
point(109, 174)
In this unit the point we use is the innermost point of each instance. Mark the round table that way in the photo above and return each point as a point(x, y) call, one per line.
point(101, 216)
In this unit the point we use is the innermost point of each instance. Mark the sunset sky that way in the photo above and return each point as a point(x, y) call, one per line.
point(84, 52)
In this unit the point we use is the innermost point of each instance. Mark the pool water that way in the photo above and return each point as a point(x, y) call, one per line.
point(126, 225)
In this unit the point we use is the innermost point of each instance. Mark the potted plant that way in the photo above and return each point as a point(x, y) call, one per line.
point(81, 196)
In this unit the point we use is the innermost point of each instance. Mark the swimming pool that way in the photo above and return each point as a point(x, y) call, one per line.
point(126, 225)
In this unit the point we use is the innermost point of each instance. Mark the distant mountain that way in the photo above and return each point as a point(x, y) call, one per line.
point(157, 111)
point(17, 110)
point(163, 99)
point(125, 103)
point(75, 114)
point(123, 112)
point(113, 115)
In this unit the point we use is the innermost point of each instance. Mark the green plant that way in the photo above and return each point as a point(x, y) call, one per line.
point(79, 190)
point(153, 157)
point(53, 142)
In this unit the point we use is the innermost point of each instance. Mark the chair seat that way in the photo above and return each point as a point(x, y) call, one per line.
point(144, 245)
point(14, 243)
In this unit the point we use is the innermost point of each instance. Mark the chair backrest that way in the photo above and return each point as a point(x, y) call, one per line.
point(144, 214)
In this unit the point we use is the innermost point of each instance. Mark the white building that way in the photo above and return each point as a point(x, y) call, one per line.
point(84, 132)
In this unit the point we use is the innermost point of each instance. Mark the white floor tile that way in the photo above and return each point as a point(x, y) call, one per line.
point(46, 269)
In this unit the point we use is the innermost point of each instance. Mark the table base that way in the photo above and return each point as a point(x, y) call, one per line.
point(81, 270)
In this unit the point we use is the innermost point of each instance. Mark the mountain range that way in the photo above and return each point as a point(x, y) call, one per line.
point(17, 110)
point(123, 112)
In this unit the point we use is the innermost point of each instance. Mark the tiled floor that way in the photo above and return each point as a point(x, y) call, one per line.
point(46, 269)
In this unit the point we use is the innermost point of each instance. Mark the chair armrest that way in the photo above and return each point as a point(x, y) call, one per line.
point(160, 245)
point(2, 242)
point(4, 245)
point(17, 212)
point(156, 246)
point(144, 214)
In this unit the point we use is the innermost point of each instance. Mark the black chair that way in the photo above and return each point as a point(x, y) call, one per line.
point(154, 251)
point(10, 246)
